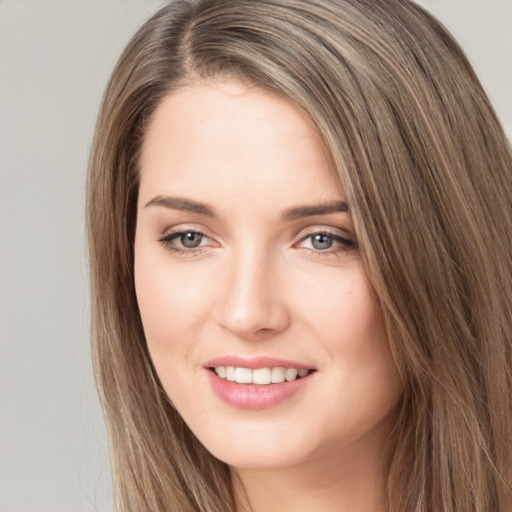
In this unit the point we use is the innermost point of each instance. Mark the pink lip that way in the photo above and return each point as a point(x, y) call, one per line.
point(255, 362)
point(255, 396)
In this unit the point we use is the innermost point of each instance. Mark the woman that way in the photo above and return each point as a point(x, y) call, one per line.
point(300, 236)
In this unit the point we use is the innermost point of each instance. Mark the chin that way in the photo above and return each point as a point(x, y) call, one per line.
point(254, 445)
point(246, 455)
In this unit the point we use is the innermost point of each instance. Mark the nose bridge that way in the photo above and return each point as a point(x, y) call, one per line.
point(251, 303)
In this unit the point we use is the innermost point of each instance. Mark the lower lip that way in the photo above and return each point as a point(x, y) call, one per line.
point(255, 396)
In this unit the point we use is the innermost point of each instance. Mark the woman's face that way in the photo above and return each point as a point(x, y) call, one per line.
point(247, 268)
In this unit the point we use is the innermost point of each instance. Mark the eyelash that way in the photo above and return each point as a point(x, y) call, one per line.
point(345, 244)
point(168, 240)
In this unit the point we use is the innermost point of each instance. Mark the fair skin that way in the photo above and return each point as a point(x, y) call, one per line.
point(232, 266)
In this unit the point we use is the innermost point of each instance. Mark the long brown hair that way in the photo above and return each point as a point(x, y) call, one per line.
point(427, 171)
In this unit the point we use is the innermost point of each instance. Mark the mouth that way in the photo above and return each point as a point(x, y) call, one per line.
point(257, 383)
point(260, 376)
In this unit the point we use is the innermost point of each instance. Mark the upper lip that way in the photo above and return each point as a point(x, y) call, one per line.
point(254, 363)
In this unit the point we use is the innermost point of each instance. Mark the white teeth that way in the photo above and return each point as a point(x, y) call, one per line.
point(230, 373)
point(290, 374)
point(243, 376)
point(277, 375)
point(260, 376)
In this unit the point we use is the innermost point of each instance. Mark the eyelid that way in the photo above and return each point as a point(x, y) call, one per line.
point(173, 235)
point(342, 238)
point(170, 235)
point(326, 230)
point(344, 241)
point(186, 228)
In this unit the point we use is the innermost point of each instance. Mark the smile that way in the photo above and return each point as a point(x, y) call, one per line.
point(257, 383)
point(261, 376)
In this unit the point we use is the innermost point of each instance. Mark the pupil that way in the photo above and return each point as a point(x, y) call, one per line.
point(322, 242)
point(191, 239)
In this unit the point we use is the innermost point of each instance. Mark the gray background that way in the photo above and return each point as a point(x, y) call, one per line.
point(55, 58)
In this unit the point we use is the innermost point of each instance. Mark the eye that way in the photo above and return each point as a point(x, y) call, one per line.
point(321, 241)
point(325, 242)
point(185, 241)
point(190, 239)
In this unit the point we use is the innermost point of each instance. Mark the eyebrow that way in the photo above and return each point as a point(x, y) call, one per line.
point(182, 204)
point(297, 212)
point(315, 209)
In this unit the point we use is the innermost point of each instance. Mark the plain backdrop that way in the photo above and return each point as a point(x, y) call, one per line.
point(55, 58)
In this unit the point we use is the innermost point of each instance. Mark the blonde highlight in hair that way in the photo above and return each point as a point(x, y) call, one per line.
point(427, 171)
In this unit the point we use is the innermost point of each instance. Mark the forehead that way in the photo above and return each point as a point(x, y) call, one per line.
point(226, 136)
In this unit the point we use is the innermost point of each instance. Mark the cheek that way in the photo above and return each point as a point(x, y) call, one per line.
point(172, 305)
point(374, 378)
point(341, 307)
point(363, 342)
point(348, 323)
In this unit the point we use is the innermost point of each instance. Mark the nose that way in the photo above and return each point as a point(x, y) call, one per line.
point(252, 304)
